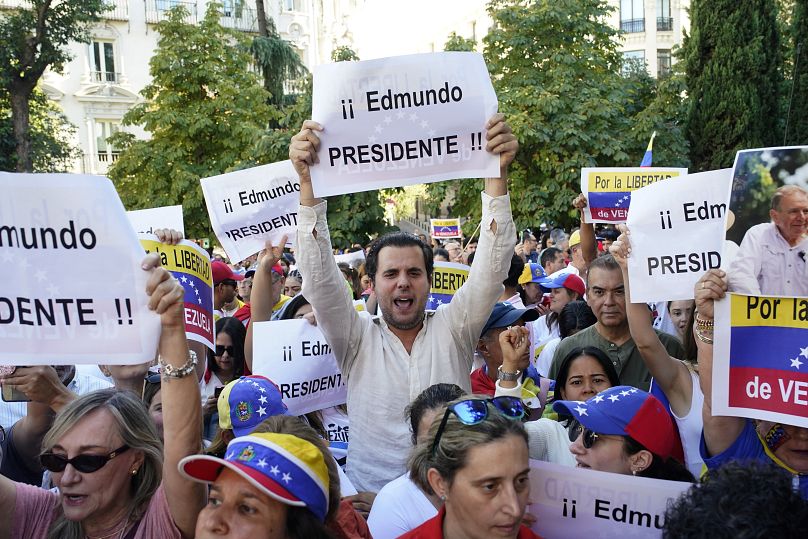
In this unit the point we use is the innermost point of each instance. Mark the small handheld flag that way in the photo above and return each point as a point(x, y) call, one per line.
point(647, 159)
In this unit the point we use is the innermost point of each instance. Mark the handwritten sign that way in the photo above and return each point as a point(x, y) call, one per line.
point(608, 190)
point(760, 364)
point(72, 289)
point(401, 121)
point(249, 207)
point(578, 502)
point(190, 264)
point(149, 220)
point(447, 278)
point(295, 355)
point(677, 233)
point(445, 228)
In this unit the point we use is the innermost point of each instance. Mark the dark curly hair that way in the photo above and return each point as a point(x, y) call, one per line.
point(740, 500)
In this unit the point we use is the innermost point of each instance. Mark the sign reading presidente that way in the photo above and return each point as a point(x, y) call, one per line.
point(677, 233)
point(72, 289)
point(249, 207)
point(402, 120)
point(608, 190)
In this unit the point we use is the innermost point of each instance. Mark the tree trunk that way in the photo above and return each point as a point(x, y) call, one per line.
point(262, 18)
point(20, 115)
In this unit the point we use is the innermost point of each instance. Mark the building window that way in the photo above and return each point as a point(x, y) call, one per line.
point(664, 21)
point(105, 151)
point(233, 8)
point(294, 5)
point(102, 61)
point(632, 16)
point(663, 62)
point(633, 61)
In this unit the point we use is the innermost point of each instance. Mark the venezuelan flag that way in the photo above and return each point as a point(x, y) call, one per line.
point(647, 159)
point(769, 344)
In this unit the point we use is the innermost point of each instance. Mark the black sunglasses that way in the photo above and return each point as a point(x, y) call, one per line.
point(83, 463)
point(475, 411)
point(220, 350)
point(589, 438)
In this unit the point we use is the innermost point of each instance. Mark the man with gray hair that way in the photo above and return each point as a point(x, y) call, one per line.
point(772, 256)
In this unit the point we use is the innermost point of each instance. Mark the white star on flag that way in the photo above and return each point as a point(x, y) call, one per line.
point(255, 384)
point(184, 279)
point(633, 390)
point(431, 298)
point(262, 399)
point(274, 470)
point(197, 291)
point(581, 411)
point(261, 411)
point(230, 455)
point(625, 393)
point(440, 302)
point(804, 352)
point(796, 363)
point(262, 463)
point(262, 390)
point(286, 478)
point(598, 398)
point(199, 300)
point(614, 398)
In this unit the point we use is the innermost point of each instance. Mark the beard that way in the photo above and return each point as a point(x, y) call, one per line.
point(403, 325)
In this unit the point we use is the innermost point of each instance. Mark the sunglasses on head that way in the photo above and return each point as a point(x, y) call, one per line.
point(220, 350)
point(475, 411)
point(83, 463)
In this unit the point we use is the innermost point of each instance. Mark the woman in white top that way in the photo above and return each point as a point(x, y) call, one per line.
point(677, 379)
point(401, 505)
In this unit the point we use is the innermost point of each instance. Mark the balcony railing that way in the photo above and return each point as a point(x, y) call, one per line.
point(633, 26)
point(664, 24)
point(239, 17)
point(157, 10)
point(119, 10)
point(105, 76)
point(108, 157)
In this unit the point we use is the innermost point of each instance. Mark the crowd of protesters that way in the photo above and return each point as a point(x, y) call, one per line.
point(540, 354)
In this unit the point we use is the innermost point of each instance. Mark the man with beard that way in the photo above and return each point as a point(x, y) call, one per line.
point(389, 360)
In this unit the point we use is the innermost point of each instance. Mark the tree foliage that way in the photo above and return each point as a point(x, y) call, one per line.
point(459, 43)
point(279, 63)
point(51, 135)
point(33, 40)
point(557, 72)
point(732, 63)
point(204, 112)
point(797, 133)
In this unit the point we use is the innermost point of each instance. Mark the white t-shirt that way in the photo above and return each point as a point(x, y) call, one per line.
point(399, 507)
point(208, 389)
point(545, 360)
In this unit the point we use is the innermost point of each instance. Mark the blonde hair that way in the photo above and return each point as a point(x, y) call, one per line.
point(136, 429)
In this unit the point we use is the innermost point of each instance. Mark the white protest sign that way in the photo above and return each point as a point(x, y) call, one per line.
point(295, 355)
point(73, 290)
point(149, 220)
point(608, 191)
point(249, 207)
point(354, 259)
point(677, 233)
point(401, 121)
point(579, 502)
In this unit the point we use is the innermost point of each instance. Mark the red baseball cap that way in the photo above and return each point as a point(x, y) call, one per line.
point(222, 272)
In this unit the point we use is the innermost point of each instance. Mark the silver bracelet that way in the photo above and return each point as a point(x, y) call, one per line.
point(170, 371)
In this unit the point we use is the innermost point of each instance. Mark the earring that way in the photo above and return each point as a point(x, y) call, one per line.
point(634, 472)
point(134, 472)
point(443, 498)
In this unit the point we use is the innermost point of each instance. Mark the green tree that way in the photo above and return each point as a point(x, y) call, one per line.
point(556, 69)
point(344, 53)
point(204, 112)
point(50, 132)
point(732, 70)
point(459, 43)
point(278, 61)
point(797, 106)
point(34, 39)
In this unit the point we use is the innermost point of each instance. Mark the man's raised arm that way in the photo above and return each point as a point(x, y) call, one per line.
point(323, 284)
point(472, 304)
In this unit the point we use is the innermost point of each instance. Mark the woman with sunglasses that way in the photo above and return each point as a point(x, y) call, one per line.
point(114, 478)
point(225, 364)
point(475, 460)
point(626, 431)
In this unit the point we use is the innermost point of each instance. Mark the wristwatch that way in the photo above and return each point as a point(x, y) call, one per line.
point(508, 376)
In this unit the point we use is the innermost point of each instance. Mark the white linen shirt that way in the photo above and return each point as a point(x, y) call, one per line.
point(767, 265)
point(382, 377)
